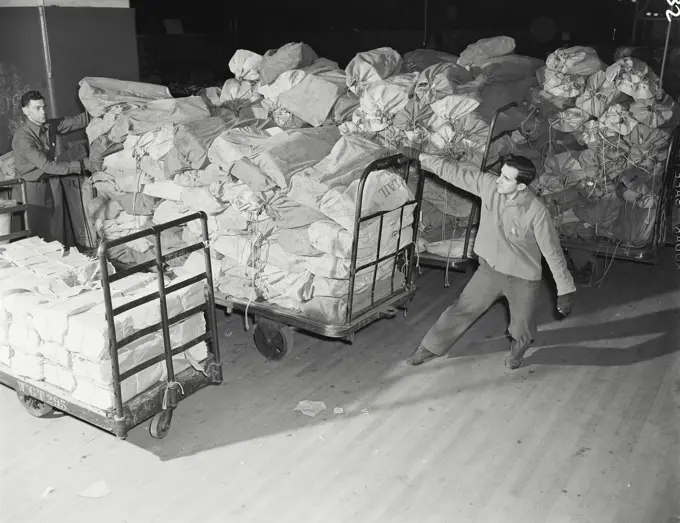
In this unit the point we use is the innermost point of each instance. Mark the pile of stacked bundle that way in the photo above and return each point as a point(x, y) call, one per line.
point(275, 154)
point(604, 134)
point(291, 86)
point(274, 175)
point(286, 236)
point(145, 145)
point(443, 106)
point(53, 327)
point(292, 187)
point(123, 114)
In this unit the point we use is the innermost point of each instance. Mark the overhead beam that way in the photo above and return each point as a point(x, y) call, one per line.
point(65, 3)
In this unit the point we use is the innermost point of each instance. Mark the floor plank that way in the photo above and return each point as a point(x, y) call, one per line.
point(586, 431)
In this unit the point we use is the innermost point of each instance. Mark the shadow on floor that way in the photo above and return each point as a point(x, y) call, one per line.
point(614, 343)
point(258, 396)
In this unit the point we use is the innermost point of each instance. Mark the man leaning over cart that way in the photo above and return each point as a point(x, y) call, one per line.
point(34, 146)
point(515, 229)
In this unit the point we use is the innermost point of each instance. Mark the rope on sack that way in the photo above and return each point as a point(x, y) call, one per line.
point(560, 222)
point(254, 237)
point(417, 246)
point(631, 219)
point(138, 187)
point(631, 162)
point(404, 267)
point(522, 126)
point(649, 210)
point(547, 150)
point(608, 266)
point(447, 284)
point(446, 206)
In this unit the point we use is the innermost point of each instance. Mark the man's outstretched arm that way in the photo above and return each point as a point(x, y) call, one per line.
point(67, 124)
point(464, 175)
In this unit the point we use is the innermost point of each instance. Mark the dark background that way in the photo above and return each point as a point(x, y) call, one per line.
point(136, 44)
point(83, 42)
point(338, 30)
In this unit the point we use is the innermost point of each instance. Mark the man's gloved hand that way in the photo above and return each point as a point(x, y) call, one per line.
point(565, 303)
point(91, 165)
point(410, 152)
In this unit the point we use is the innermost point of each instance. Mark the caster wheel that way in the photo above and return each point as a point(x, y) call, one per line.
point(585, 267)
point(273, 341)
point(33, 406)
point(160, 424)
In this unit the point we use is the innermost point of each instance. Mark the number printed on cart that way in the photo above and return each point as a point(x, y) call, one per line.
point(674, 10)
point(39, 394)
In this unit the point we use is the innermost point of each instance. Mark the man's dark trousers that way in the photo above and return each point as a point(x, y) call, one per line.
point(55, 209)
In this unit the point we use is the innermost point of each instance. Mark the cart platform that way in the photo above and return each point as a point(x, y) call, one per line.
point(41, 398)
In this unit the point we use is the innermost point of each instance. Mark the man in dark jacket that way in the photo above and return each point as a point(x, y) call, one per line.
point(34, 144)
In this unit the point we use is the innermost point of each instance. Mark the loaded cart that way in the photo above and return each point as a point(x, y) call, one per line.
point(273, 334)
point(160, 399)
point(585, 256)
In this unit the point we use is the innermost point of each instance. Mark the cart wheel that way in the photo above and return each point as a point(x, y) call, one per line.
point(586, 267)
point(33, 406)
point(160, 424)
point(272, 340)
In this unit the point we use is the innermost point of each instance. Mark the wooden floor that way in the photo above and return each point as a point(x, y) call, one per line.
point(586, 431)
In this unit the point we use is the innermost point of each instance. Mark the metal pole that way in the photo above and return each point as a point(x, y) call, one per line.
point(425, 30)
point(665, 53)
point(52, 109)
point(119, 427)
point(637, 9)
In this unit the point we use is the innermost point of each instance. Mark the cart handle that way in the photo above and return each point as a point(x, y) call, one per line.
point(490, 138)
point(12, 181)
point(396, 160)
point(150, 231)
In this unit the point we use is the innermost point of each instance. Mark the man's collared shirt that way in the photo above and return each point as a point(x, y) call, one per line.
point(513, 232)
point(33, 152)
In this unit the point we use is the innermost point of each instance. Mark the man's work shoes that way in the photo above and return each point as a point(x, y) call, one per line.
point(420, 356)
point(513, 363)
point(515, 358)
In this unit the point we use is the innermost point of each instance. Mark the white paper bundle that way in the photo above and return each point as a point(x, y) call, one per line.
point(56, 354)
point(59, 376)
point(27, 365)
point(5, 355)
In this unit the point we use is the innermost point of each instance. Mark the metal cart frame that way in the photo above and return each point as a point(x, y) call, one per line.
point(25, 232)
point(463, 263)
point(273, 334)
point(158, 402)
point(586, 256)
